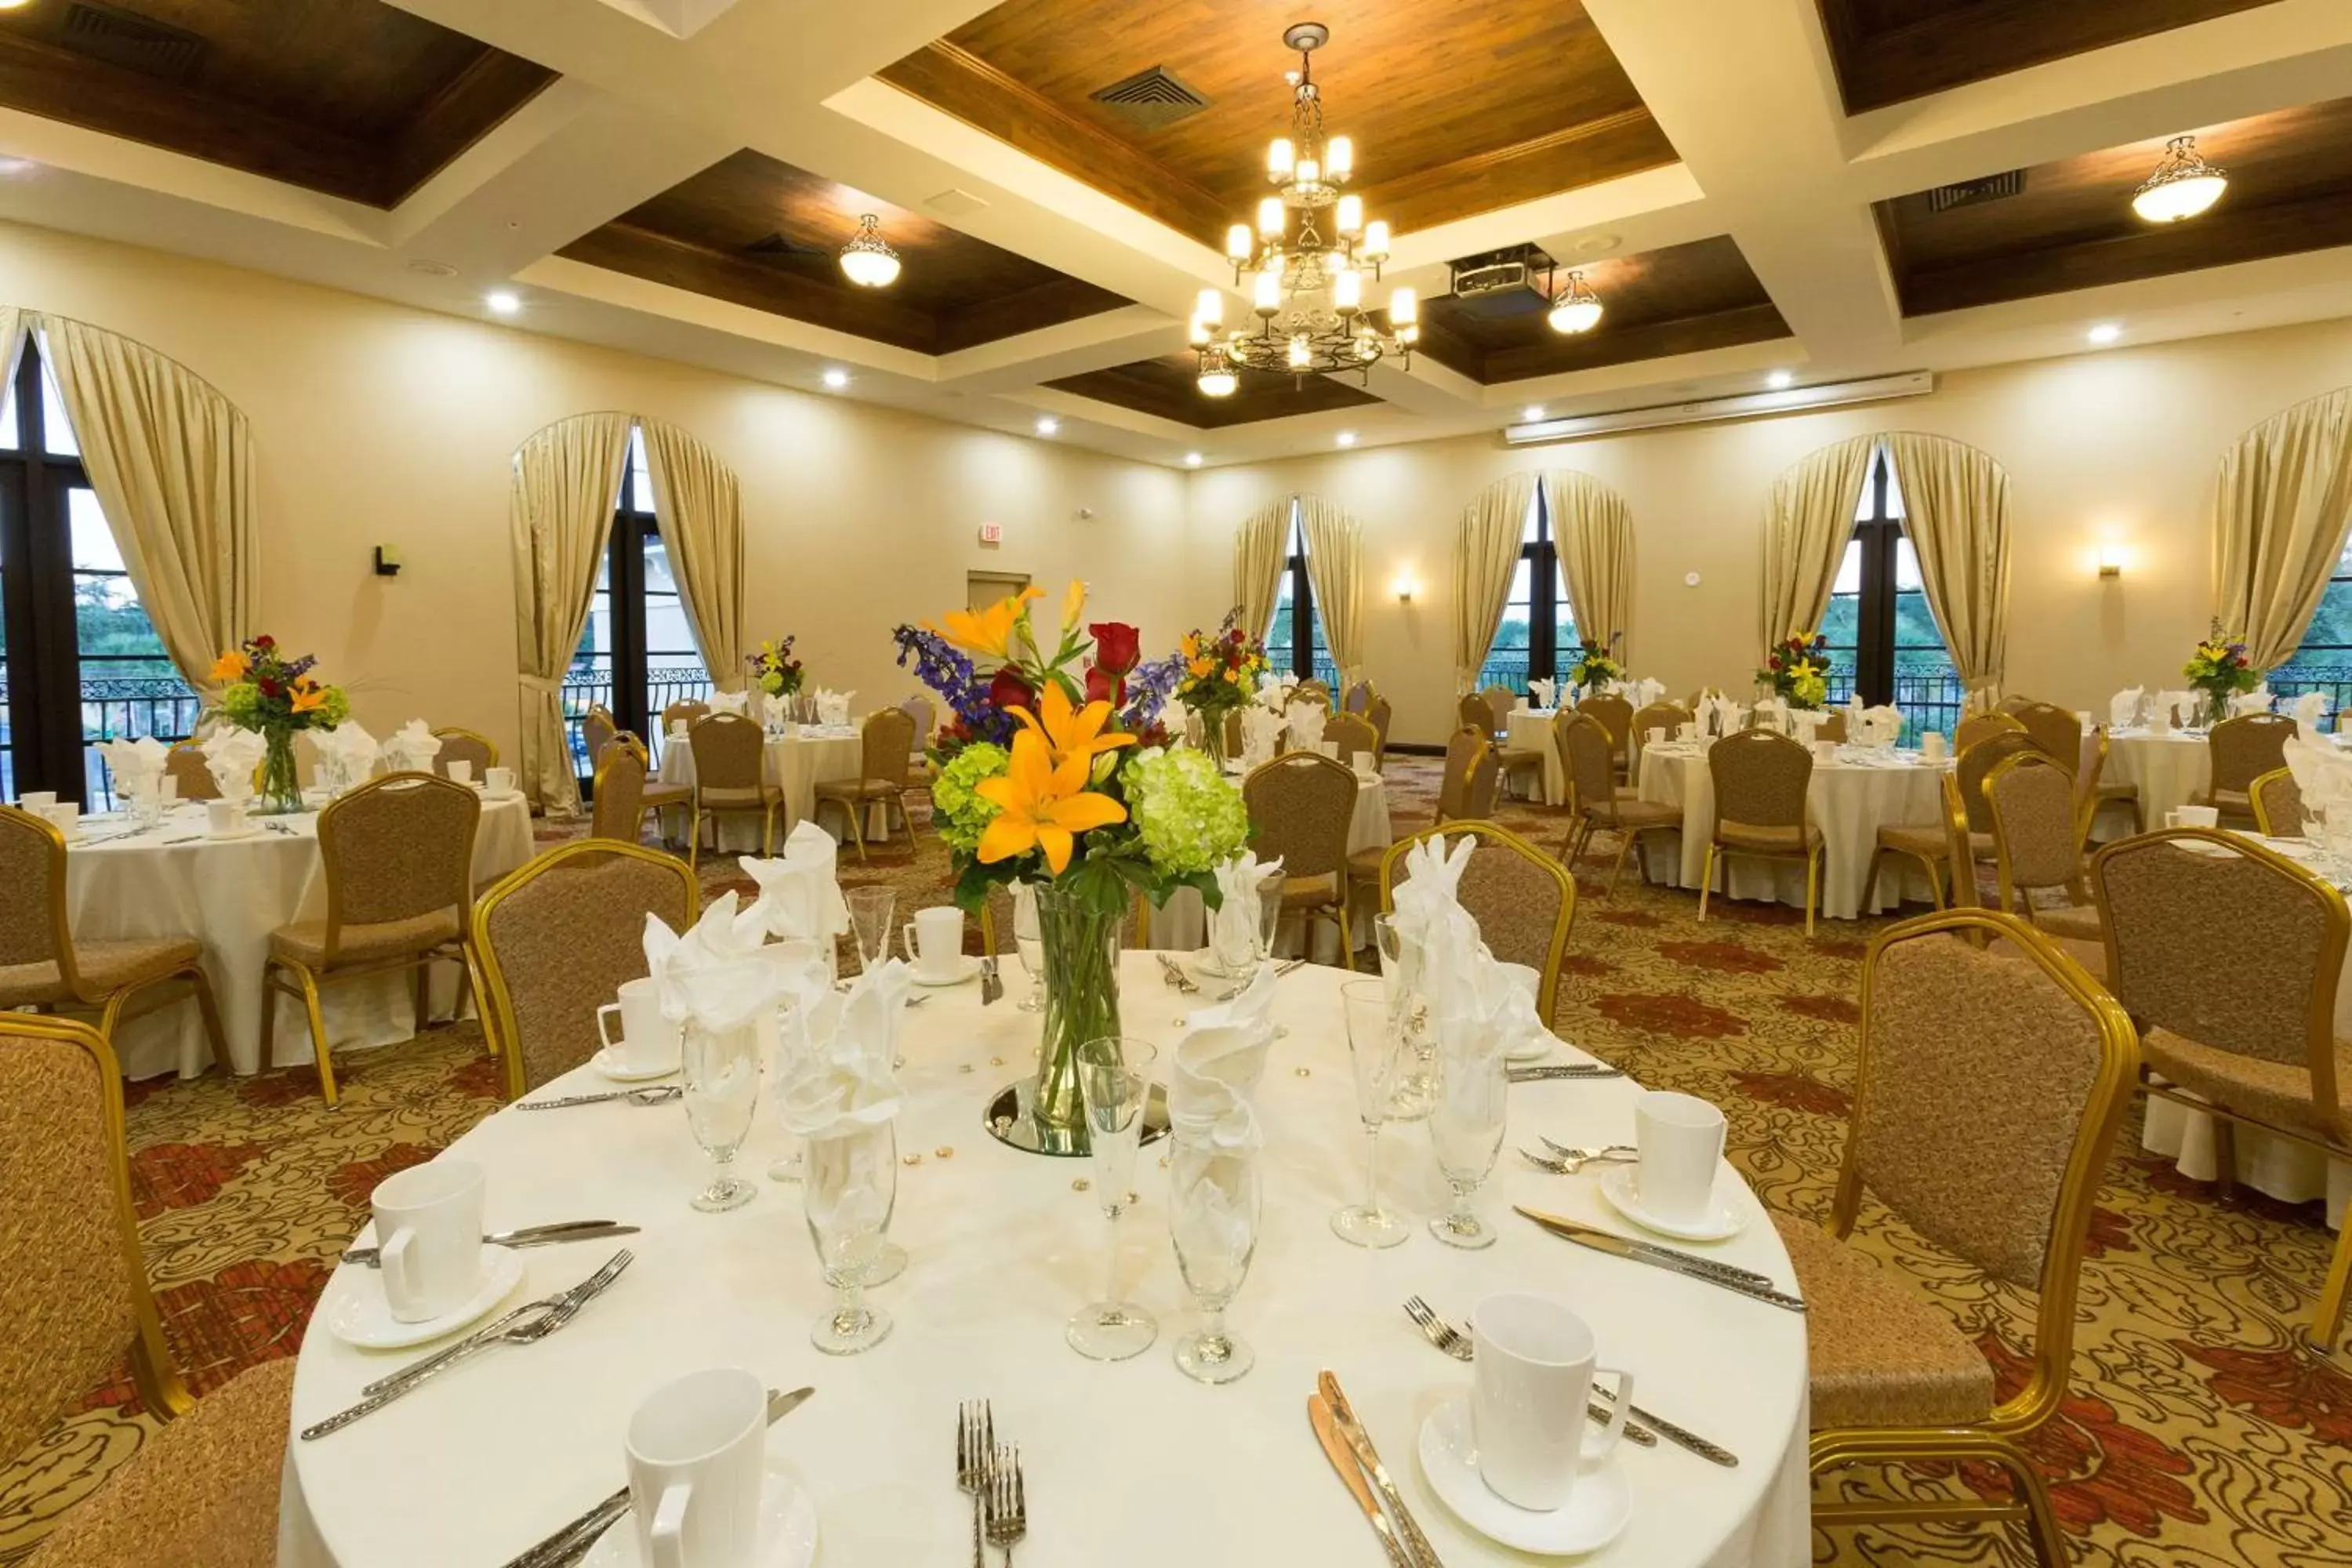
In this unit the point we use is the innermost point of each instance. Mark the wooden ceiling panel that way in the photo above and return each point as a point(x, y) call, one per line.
point(2073, 226)
point(354, 97)
point(1453, 110)
point(760, 233)
point(1164, 387)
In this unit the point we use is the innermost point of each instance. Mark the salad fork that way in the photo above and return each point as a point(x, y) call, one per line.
point(1567, 1162)
point(975, 1445)
point(1008, 1503)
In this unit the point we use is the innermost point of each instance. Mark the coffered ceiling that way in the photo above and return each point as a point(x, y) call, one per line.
point(1745, 182)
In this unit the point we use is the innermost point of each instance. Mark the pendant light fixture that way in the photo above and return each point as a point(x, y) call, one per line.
point(867, 259)
point(1575, 309)
point(2183, 185)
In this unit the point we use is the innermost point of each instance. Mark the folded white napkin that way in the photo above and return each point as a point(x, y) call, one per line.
point(1438, 936)
point(716, 976)
point(349, 753)
point(1881, 725)
point(413, 748)
point(1647, 690)
point(730, 702)
point(231, 757)
point(136, 765)
point(2123, 708)
point(1233, 929)
point(2321, 771)
point(833, 707)
point(1477, 1020)
point(1213, 1128)
point(774, 710)
point(1542, 689)
point(2309, 708)
point(1306, 721)
point(1262, 732)
point(2180, 708)
point(799, 890)
point(837, 1056)
point(2258, 700)
point(1274, 690)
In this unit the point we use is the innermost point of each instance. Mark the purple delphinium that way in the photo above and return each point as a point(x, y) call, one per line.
point(946, 670)
point(1148, 688)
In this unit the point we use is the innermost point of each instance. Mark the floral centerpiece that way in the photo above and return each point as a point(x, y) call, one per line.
point(1054, 772)
point(774, 670)
point(273, 696)
point(1798, 669)
point(1221, 674)
point(1594, 666)
point(2221, 669)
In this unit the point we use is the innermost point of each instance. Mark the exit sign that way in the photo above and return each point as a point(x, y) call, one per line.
point(991, 533)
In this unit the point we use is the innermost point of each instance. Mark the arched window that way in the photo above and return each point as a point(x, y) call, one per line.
point(1295, 642)
point(1536, 639)
point(637, 651)
point(2323, 661)
point(1880, 631)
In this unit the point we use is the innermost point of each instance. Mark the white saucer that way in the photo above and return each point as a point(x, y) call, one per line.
point(1621, 1186)
point(355, 1311)
point(1596, 1511)
point(787, 1529)
point(608, 1066)
point(1534, 1049)
point(252, 830)
point(967, 968)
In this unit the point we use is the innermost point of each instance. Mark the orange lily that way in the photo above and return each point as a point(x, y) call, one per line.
point(1041, 805)
point(1073, 605)
point(308, 696)
point(1070, 732)
point(231, 665)
point(986, 632)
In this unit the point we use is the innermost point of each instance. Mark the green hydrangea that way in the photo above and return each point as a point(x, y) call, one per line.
point(1188, 813)
point(957, 809)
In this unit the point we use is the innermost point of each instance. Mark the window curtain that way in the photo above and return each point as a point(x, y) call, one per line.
point(698, 507)
point(171, 462)
point(1335, 569)
point(1261, 550)
point(1486, 558)
point(1806, 524)
point(566, 478)
point(1956, 514)
point(12, 338)
point(2281, 512)
point(1593, 537)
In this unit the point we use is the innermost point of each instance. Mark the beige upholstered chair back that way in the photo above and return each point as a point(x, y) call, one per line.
point(2036, 830)
point(560, 935)
point(1958, 849)
point(464, 746)
point(926, 715)
point(397, 848)
point(1351, 733)
point(727, 755)
point(1664, 716)
point(2278, 805)
point(1358, 698)
point(1975, 764)
point(1380, 713)
point(1312, 690)
point(32, 891)
point(889, 744)
point(2171, 895)
point(1486, 781)
point(1978, 726)
point(2015, 705)
point(1499, 701)
point(185, 762)
point(1476, 714)
point(620, 803)
point(1463, 749)
point(1523, 899)
point(1988, 1093)
point(1584, 761)
point(1832, 726)
point(687, 709)
point(2054, 729)
point(1613, 714)
point(1233, 727)
point(597, 729)
point(1760, 778)
point(1301, 804)
point(2245, 748)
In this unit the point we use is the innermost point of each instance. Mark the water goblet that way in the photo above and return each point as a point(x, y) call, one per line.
point(851, 1188)
point(1212, 1217)
point(1030, 944)
point(1466, 1128)
point(721, 1071)
point(869, 923)
point(1373, 1048)
point(1416, 1080)
point(1114, 1084)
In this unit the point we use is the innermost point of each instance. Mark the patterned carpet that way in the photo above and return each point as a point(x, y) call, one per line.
point(2195, 1433)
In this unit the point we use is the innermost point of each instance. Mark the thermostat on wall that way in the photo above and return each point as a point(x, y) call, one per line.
point(991, 533)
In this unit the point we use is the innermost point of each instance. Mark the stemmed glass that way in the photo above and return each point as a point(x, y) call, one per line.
point(869, 923)
point(1113, 1084)
point(721, 1076)
point(1416, 1078)
point(1373, 1039)
point(850, 1194)
point(1212, 1215)
point(1029, 943)
point(1466, 1130)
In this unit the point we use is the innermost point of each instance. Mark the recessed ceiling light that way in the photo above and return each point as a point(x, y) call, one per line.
point(1047, 425)
point(1779, 381)
point(1532, 412)
point(502, 302)
point(1192, 459)
point(836, 378)
point(1347, 438)
point(2105, 333)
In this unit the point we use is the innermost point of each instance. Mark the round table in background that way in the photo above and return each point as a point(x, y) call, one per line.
point(796, 763)
point(2170, 769)
point(1126, 1461)
point(1531, 730)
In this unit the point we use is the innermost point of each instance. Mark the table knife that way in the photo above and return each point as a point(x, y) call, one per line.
point(1665, 1254)
point(1633, 1251)
point(1568, 1072)
point(1351, 1475)
point(1418, 1550)
point(1682, 1436)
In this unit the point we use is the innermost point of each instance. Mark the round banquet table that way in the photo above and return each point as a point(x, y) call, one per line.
point(796, 763)
point(2170, 769)
point(230, 894)
point(1849, 800)
point(1530, 730)
point(1128, 1461)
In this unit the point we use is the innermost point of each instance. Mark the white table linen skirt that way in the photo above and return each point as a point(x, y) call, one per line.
point(230, 895)
point(795, 764)
point(1530, 730)
point(1849, 801)
point(1128, 1461)
point(2170, 771)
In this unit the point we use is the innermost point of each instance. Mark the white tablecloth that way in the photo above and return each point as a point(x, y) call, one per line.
point(230, 896)
point(796, 764)
point(1849, 800)
point(1127, 1462)
point(1530, 730)
point(2171, 770)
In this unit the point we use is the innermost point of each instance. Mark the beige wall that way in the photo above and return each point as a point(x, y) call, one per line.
point(377, 424)
point(2117, 447)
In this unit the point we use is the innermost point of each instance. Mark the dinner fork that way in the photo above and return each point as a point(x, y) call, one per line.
point(1565, 1162)
point(1459, 1345)
point(658, 1094)
point(1008, 1503)
point(1173, 974)
point(975, 1444)
point(521, 1319)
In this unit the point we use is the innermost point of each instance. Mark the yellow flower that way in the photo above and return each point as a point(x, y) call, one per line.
point(1198, 667)
point(988, 631)
point(308, 695)
point(1073, 605)
point(1041, 805)
point(1192, 646)
point(231, 665)
point(1235, 676)
point(1070, 732)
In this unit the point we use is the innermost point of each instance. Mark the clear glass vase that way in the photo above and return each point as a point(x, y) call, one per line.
point(281, 782)
point(1080, 948)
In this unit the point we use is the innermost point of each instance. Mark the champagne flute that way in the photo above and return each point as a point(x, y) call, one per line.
point(1373, 1039)
point(1416, 1080)
point(721, 1071)
point(1213, 1216)
point(1466, 1128)
point(1269, 927)
point(851, 1189)
point(1114, 1085)
point(869, 923)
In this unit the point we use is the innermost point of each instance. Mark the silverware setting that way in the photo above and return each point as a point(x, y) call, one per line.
point(1008, 1502)
point(1568, 1072)
point(1461, 1347)
point(660, 1094)
point(989, 1473)
point(1672, 1255)
point(533, 1320)
point(1746, 1281)
point(992, 986)
point(1227, 994)
point(529, 1236)
point(1173, 974)
point(1351, 1475)
point(1564, 1160)
point(1417, 1550)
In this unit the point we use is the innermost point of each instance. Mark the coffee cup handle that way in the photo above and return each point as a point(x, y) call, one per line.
point(1601, 1444)
point(398, 1267)
point(669, 1531)
point(907, 938)
point(601, 1032)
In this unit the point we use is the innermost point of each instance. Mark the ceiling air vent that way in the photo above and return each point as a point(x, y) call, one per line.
point(1152, 99)
point(117, 37)
point(1974, 193)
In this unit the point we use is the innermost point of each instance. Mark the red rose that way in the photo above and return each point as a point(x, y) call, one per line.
point(1104, 687)
point(270, 687)
point(1008, 690)
point(1118, 646)
point(264, 641)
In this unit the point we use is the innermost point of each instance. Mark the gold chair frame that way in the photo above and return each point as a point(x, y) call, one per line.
point(2015, 896)
point(1556, 951)
point(2262, 822)
point(1582, 822)
point(1335, 910)
point(770, 801)
point(449, 732)
point(856, 810)
point(1812, 853)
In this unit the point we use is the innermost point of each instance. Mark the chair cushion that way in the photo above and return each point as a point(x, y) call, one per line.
point(305, 942)
point(201, 1493)
point(2268, 1091)
point(1364, 865)
point(1310, 892)
point(1765, 840)
point(1933, 842)
point(2078, 922)
point(1621, 812)
point(104, 965)
point(668, 794)
point(745, 799)
point(858, 789)
point(2118, 792)
point(1883, 1355)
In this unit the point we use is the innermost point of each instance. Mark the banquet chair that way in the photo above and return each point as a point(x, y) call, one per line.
point(1989, 1086)
point(1523, 899)
point(1526, 767)
point(2014, 705)
point(887, 746)
point(730, 778)
point(1615, 716)
point(398, 855)
point(687, 709)
point(185, 762)
point(1358, 698)
point(597, 728)
point(1658, 715)
point(1302, 805)
point(1466, 786)
point(1761, 778)
point(43, 965)
point(202, 1490)
point(1352, 733)
point(1380, 713)
point(2277, 801)
point(1981, 726)
point(926, 715)
point(617, 805)
point(1499, 701)
point(1476, 714)
point(1595, 802)
point(1312, 689)
point(556, 939)
point(2038, 826)
point(2242, 748)
point(464, 746)
point(1832, 726)
point(2054, 729)
point(2247, 1036)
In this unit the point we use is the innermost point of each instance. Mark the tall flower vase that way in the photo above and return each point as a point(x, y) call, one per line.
point(281, 782)
point(1080, 946)
point(2217, 708)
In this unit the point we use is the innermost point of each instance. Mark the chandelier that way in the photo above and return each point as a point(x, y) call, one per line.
point(1306, 286)
point(2183, 185)
point(867, 259)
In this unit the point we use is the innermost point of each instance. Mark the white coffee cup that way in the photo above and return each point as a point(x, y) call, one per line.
point(1687, 733)
point(695, 1450)
point(934, 942)
point(428, 1225)
point(34, 799)
point(1362, 761)
point(167, 788)
point(501, 780)
point(224, 817)
point(1328, 748)
point(1530, 1385)
point(461, 771)
point(64, 816)
point(2198, 815)
point(1655, 735)
point(1931, 746)
point(1680, 1140)
point(1825, 750)
point(647, 1040)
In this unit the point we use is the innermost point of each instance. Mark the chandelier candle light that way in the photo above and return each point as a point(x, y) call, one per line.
point(1306, 285)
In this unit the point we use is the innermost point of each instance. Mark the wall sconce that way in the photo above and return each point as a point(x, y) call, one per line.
point(387, 559)
point(2111, 561)
point(1405, 587)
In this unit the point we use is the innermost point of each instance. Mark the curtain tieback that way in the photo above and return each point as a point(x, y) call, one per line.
point(552, 686)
